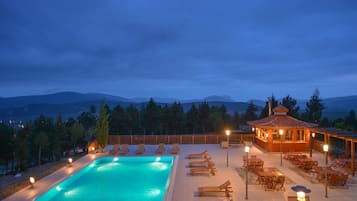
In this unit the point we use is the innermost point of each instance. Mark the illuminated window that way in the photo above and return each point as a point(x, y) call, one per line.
point(288, 135)
point(300, 135)
point(276, 135)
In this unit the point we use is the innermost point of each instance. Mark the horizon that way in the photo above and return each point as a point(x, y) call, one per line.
point(179, 49)
point(180, 99)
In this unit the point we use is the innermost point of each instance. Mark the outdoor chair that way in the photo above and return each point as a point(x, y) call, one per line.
point(203, 171)
point(124, 149)
point(205, 163)
point(222, 190)
point(114, 150)
point(198, 155)
point(175, 149)
point(160, 149)
point(140, 149)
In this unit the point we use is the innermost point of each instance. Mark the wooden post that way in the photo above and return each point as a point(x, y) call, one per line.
point(347, 148)
point(131, 139)
point(205, 139)
point(180, 139)
point(193, 139)
point(353, 158)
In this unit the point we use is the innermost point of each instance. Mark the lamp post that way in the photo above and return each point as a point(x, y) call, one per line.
point(281, 132)
point(246, 149)
point(311, 138)
point(228, 132)
point(325, 148)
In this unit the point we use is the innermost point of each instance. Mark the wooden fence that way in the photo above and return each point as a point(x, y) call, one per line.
point(180, 139)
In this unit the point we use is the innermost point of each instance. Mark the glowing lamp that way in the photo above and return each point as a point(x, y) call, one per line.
point(313, 135)
point(228, 132)
point(300, 196)
point(325, 147)
point(70, 160)
point(281, 131)
point(246, 149)
point(32, 181)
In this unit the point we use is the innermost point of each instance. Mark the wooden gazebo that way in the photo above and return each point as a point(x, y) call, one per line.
point(281, 132)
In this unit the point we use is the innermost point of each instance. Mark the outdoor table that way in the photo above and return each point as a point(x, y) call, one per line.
point(272, 179)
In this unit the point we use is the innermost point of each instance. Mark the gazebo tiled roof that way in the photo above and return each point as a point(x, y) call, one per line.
point(281, 119)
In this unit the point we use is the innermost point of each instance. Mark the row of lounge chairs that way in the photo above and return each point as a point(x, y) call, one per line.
point(202, 164)
point(124, 149)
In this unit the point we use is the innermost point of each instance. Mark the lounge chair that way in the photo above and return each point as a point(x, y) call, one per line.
point(175, 149)
point(124, 149)
point(223, 189)
point(114, 150)
point(140, 149)
point(203, 171)
point(160, 149)
point(198, 155)
point(204, 163)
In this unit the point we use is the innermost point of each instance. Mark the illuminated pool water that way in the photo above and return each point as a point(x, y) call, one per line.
point(116, 178)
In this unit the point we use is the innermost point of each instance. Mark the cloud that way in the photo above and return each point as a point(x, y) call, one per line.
point(177, 47)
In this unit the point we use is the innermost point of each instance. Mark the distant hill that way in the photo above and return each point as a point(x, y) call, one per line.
point(71, 104)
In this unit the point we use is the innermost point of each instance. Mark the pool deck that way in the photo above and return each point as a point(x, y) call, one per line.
point(185, 186)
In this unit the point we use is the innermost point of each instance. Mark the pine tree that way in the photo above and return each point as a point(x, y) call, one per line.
point(265, 110)
point(250, 113)
point(314, 108)
point(290, 104)
point(102, 127)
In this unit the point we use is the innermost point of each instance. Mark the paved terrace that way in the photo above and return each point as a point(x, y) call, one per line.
point(185, 185)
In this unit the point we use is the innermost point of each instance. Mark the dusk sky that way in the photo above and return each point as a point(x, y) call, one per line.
point(181, 49)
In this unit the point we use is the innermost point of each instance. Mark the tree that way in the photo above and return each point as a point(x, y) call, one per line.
point(351, 121)
point(203, 113)
point(152, 116)
point(250, 113)
point(21, 146)
point(215, 119)
point(133, 118)
point(118, 120)
point(290, 104)
point(314, 108)
point(236, 120)
point(192, 117)
point(41, 140)
point(6, 140)
point(61, 138)
point(178, 117)
point(77, 133)
point(102, 127)
point(265, 110)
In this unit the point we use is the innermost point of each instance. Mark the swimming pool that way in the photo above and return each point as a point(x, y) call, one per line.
point(116, 178)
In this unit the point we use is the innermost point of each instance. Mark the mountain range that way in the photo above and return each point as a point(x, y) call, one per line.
point(71, 104)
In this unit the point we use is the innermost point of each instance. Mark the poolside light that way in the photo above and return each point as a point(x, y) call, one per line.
point(312, 137)
point(32, 181)
point(157, 159)
point(325, 148)
point(116, 159)
point(253, 129)
point(70, 160)
point(281, 132)
point(246, 149)
point(228, 132)
point(58, 188)
point(93, 150)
